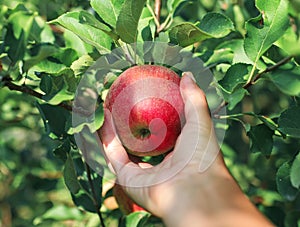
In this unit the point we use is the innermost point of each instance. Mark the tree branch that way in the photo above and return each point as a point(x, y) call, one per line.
point(256, 77)
point(269, 69)
point(157, 8)
point(7, 82)
point(219, 108)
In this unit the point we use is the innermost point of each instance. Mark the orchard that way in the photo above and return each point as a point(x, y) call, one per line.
point(62, 63)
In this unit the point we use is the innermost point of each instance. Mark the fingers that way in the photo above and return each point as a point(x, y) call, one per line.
point(197, 141)
point(129, 173)
point(114, 151)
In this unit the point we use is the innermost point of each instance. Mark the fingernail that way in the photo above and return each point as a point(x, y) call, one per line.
point(189, 75)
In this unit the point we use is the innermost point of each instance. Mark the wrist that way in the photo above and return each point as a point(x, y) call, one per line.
point(213, 200)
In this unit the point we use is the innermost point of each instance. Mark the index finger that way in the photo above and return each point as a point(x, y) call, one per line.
point(113, 148)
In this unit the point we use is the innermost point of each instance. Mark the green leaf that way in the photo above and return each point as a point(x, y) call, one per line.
point(74, 42)
point(108, 10)
point(54, 118)
point(77, 23)
point(62, 150)
point(89, 19)
point(234, 97)
point(287, 81)
point(213, 25)
point(81, 65)
point(235, 76)
point(290, 42)
point(292, 219)
point(144, 30)
point(216, 24)
point(283, 181)
point(70, 176)
point(41, 31)
point(289, 122)
point(99, 117)
point(85, 197)
point(128, 20)
point(66, 55)
point(268, 122)
point(49, 87)
point(265, 29)
point(135, 219)
point(43, 51)
point(49, 67)
point(236, 47)
point(261, 139)
point(57, 88)
point(173, 4)
point(61, 213)
point(18, 31)
point(295, 172)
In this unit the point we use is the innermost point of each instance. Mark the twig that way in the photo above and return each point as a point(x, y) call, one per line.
point(157, 8)
point(96, 204)
point(165, 24)
point(24, 89)
point(255, 78)
point(269, 69)
point(157, 23)
point(219, 108)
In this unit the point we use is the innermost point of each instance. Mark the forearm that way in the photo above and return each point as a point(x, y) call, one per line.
point(214, 203)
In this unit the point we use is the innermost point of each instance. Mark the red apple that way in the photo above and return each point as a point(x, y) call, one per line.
point(126, 204)
point(147, 109)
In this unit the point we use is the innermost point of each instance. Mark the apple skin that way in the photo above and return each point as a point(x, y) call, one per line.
point(126, 204)
point(147, 109)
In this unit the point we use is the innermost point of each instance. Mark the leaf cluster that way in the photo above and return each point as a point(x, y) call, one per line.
point(251, 47)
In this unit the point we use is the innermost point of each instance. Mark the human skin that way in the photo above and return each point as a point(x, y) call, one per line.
point(193, 196)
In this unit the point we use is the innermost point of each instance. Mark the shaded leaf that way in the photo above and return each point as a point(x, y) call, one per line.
point(85, 197)
point(173, 4)
point(268, 122)
point(295, 172)
point(289, 122)
point(234, 97)
point(43, 51)
point(18, 31)
point(70, 176)
point(287, 82)
point(235, 76)
point(292, 219)
point(54, 118)
point(62, 150)
point(261, 137)
point(283, 181)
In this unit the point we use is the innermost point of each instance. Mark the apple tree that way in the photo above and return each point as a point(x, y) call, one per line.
point(251, 47)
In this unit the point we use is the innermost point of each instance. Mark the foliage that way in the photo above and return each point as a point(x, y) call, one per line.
point(252, 48)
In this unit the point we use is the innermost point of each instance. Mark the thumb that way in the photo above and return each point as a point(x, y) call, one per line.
point(192, 95)
point(197, 139)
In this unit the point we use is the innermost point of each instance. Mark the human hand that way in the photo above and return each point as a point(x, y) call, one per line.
point(188, 181)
